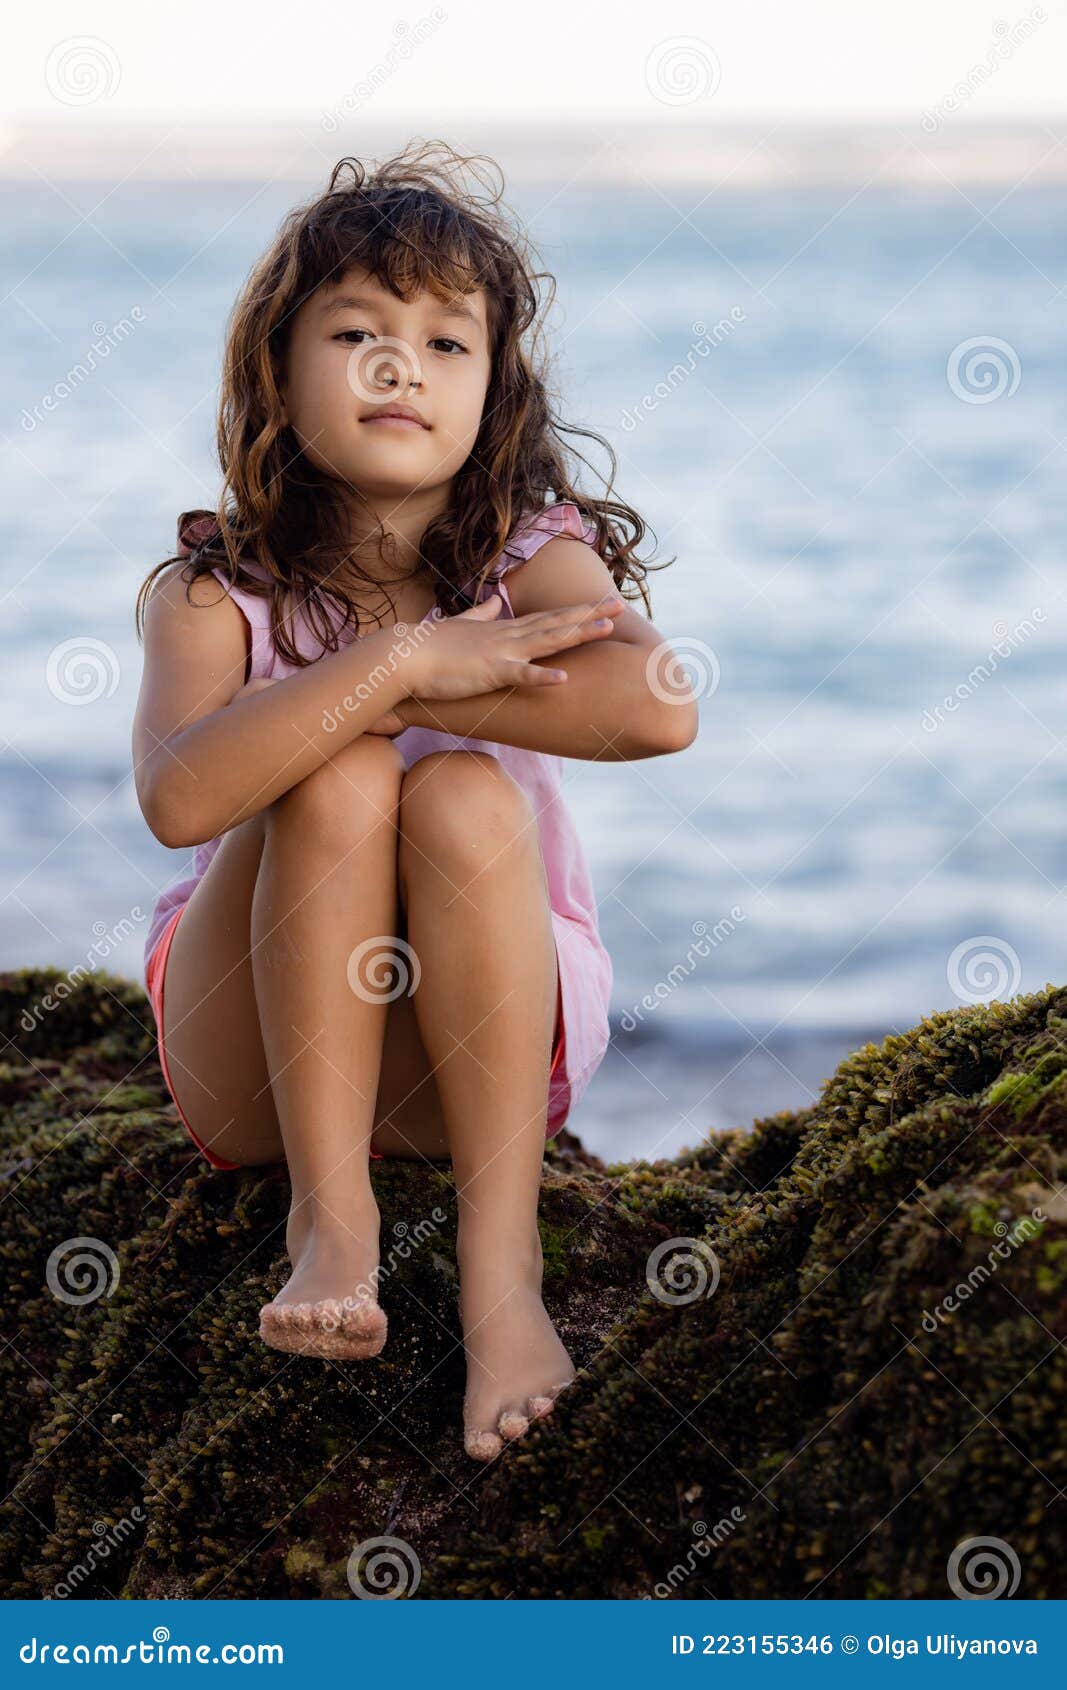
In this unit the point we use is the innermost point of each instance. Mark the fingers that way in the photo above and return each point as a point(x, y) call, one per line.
point(486, 610)
point(558, 629)
point(608, 606)
point(521, 674)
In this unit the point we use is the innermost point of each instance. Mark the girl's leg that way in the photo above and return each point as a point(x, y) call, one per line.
point(323, 919)
point(274, 1044)
point(476, 900)
point(215, 1041)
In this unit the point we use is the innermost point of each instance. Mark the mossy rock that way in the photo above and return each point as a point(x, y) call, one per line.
point(791, 1407)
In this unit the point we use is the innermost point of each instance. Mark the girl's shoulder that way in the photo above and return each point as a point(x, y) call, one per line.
point(197, 528)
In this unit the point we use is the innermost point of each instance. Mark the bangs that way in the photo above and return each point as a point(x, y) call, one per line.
point(410, 241)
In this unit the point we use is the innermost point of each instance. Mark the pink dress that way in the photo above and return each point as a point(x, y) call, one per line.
point(585, 970)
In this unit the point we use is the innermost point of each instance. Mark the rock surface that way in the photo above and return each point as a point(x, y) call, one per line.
point(775, 1398)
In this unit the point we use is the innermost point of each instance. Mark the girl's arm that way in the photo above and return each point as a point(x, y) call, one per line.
point(606, 710)
point(206, 759)
point(199, 768)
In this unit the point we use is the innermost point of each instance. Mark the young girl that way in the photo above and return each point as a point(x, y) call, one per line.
point(362, 729)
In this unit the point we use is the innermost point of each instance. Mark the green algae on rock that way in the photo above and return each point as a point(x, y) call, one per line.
point(873, 1374)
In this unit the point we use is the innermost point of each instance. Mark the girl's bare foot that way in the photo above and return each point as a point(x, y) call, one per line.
point(516, 1362)
point(328, 1306)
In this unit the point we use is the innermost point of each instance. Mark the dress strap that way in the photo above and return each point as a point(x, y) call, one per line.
point(535, 527)
point(194, 529)
point(530, 534)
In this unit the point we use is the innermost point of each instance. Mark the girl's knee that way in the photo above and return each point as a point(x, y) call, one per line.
point(464, 804)
point(355, 789)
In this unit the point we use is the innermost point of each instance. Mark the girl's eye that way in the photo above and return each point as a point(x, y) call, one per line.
point(440, 340)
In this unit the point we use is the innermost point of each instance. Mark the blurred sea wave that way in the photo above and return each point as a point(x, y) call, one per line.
point(857, 536)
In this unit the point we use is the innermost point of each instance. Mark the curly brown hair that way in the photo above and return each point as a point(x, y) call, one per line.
point(414, 225)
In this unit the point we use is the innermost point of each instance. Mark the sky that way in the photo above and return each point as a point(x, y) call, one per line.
point(823, 60)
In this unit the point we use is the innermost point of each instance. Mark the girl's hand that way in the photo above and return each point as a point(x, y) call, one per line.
point(473, 653)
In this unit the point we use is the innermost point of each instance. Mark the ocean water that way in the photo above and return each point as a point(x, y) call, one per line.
point(867, 525)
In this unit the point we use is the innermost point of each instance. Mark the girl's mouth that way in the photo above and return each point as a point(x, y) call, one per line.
point(395, 422)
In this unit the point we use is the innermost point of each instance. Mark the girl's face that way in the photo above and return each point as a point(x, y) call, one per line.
point(356, 349)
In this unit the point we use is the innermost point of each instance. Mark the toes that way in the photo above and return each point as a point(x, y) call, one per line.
point(327, 1328)
point(328, 1315)
point(512, 1424)
point(483, 1446)
point(540, 1406)
point(364, 1319)
point(276, 1317)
